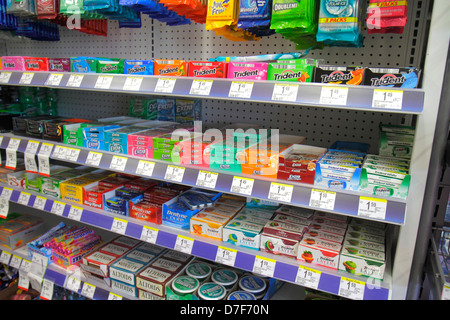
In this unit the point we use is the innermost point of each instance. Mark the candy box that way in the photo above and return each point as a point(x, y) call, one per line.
point(94, 137)
point(188, 110)
point(296, 211)
point(170, 67)
point(15, 233)
point(125, 270)
point(140, 144)
point(110, 66)
point(340, 231)
point(146, 211)
point(36, 64)
point(13, 63)
point(322, 235)
point(364, 236)
point(168, 265)
point(138, 67)
point(242, 233)
point(319, 252)
point(392, 77)
point(205, 69)
point(96, 195)
point(140, 256)
point(278, 245)
point(290, 72)
point(83, 64)
point(16, 178)
point(166, 109)
point(59, 64)
point(51, 185)
point(375, 246)
point(114, 249)
point(362, 262)
point(127, 242)
point(247, 70)
point(208, 225)
point(33, 181)
point(285, 230)
point(116, 139)
point(339, 75)
point(290, 219)
point(73, 189)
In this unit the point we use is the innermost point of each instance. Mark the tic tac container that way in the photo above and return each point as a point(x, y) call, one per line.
point(211, 291)
point(184, 285)
point(254, 285)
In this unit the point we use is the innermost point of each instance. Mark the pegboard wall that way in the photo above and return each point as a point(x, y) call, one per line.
point(321, 126)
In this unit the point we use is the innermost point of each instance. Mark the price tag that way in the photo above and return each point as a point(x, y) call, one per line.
point(201, 87)
point(226, 256)
point(88, 290)
point(322, 199)
point(46, 149)
point(334, 95)
point(54, 79)
point(72, 283)
point(387, 99)
point(39, 203)
point(4, 77)
point(25, 266)
point(113, 296)
point(26, 78)
point(285, 92)
point(24, 282)
point(133, 83)
point(119, 226)
point(242, 185)
point(372, 208)
point(184, 244)
point(58, 208)
point(165, 85)
point(32, 147)
point(6, 193)
point(5, 257)
point(59, 152)
point(30, 163)
point(351, 289)
point(75, 213)
point(280, 192)
point(94, 158)
point(207, 179)
point(15, 261)
point(47, 289)
point(445, 293)
point(264, 266)
point(174, 173)
point(145, 168)
point(308, 277)
point(11, 159)
point(4, 207)
point(43, 158)
point(149, 234)
point(103, 82)
point(75, 80)
point(24, 198)
point(72, 154)
point(118, 163)
point(37, 269)
point(240, 89)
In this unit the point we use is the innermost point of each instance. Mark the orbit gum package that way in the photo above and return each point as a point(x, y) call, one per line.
point(207, 69)
point(170, 67)
point(247, 70)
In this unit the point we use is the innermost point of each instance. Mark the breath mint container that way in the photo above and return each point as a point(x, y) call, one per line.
point(211, 291)
point(199, 270)
point(241, 295)
point(184, 285)
point(225, 277)
point(254, 285)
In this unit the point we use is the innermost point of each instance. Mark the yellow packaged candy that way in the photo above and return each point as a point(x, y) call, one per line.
point(221, 13)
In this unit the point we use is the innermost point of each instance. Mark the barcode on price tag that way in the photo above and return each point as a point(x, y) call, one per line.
point(240, 89)
point(184, 244)
point(32, 147)
point(322, 199)
point(118, 163)
point(103, 82)
point(372, 208)
point(54, 79)
point(201, 87)
point(334, 95)
point(226, 256)
point(280, 192)
point(174, 173)
point(264, 266)
point(149, 234)
point(351, 289)
point(145, 168)
point(72, 283)
point(119, 226)
point(285, 92)
point(387, 99)
point(4, 207)
point(207, 179)
point(15, 262)
point(308, 277)
point(5, 257)
point(133, 83)
point(165, 85)
point(75, 80)
point(242, 185)
point(26, 78)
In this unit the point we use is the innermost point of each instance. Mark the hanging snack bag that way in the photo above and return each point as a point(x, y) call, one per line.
point(221, 13)
point(386, 16)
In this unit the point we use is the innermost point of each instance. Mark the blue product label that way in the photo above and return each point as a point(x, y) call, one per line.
point(139, 67)
point(254, 13)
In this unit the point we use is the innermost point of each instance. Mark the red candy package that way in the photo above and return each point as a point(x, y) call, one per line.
point(206, 69)
point(386, 16)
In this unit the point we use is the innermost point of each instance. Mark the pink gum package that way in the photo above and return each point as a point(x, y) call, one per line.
point(13, 63)
point(247, 70)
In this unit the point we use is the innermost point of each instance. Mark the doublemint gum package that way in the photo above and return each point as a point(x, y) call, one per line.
point(340, 23)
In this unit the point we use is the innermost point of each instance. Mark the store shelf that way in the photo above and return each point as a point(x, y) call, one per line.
point(389, 210)
point(408, 101)
point(282, 268)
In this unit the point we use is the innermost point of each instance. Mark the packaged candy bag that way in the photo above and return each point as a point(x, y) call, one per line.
point(386, 16)
point(68, 7)
point(192, 9)
point(47, 9)
point(254, 13)
point(340, 23)
point(221, 13)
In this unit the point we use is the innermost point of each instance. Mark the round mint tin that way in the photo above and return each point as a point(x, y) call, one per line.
point(211, 291)
point(199, 271)
point(225, 277)
point(241, 295)
point(254, 285)
point(184, 285)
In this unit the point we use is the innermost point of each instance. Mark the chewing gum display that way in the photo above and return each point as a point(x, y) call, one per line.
point(83, 64)
point(386, 16)
point(392, 77)
point(170, 67)
point(206, 69)
point(295, 72)
point(36, 64)
point(339, 75)
point(13, 63)
point(247, 70)
point(110, 66)
point(59, 64)
point(138, 67)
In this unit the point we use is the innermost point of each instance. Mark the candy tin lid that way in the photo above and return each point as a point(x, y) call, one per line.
point(185, 284)
point(211, 291)
point(241, 295)
point(198, 270)
point(224, 277)
point(252, 284)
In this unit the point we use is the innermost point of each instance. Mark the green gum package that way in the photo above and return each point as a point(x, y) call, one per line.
point(110, 65)
point(68, 7)
point(295, 72)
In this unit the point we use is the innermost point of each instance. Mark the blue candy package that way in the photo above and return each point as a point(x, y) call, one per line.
point(254, 13)
point(166, 109)
point(139, 67)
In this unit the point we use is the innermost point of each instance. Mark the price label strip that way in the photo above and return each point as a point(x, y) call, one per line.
point(11, 153)
point(226, 256)
point(145, 168)
point(242, 185)
point(174, 173)
point(387, 99)
point(285, 92)
point(72, 283)
point(165, 85)
point(201, 87)
point(54, 79)
point(334, 95)
point(372, 208)
point(207, 179)
point(118, 163)
point(149, 234)
point(308, 277)
point(15, 262)
point(43, 158)
point(351, 289)
point(4, 207)
point(75, 80)
point(94, 158)
point(184, 244)
point(133, 83)
point(26, 78)
point(5, 257)
point(29, 156)
point(264, 266)
point(113, 296)
point(119, 226)
point(280, 192)
point(322, 199)
point(103, 82)
point(240, 89)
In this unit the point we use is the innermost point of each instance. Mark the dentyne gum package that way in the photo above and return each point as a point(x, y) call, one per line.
point(138, 67)
point(13, 63)
point(247, 70)
point(170, 67)
point(386, 16)
point(206, 69)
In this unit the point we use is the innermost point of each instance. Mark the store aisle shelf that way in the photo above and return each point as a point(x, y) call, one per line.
point(389, 210)
point(282, 268)
point(408, 101)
